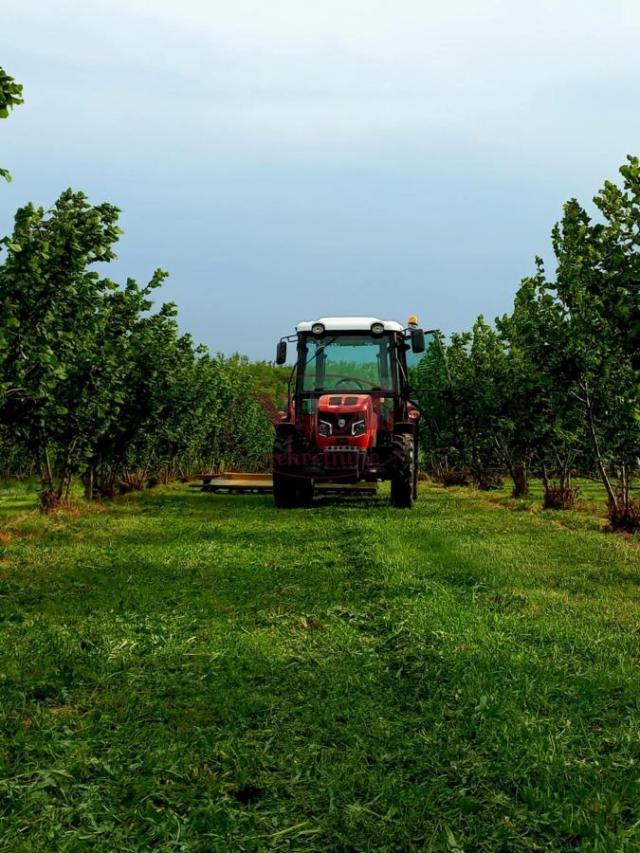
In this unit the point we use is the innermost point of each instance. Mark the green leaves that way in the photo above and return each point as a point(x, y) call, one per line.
point(10, 97)
point(55, 315)
point(10, 94)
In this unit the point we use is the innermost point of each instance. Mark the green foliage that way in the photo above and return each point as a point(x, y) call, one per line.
point(475, 400)
point(10, 97)
point(61, 330)
point(10, 94)
point(271, 380)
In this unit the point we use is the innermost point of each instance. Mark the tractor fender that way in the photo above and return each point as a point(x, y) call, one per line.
point(286, 429)
point(404, 428)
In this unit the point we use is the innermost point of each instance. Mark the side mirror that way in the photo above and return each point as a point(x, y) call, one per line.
point(417, 340)
point(281, 352)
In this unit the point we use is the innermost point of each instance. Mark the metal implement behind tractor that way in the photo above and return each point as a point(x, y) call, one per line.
point(235, 481)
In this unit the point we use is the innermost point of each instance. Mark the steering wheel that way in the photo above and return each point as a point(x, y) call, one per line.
point(349, 379)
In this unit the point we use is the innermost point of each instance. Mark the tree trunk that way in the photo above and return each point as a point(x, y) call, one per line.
point(623, 491)
point(46, 475)
point(88, 480)
point(520, 480)
point(545, 479)
point(48, 496)
point(611, 497)
point(66, 473)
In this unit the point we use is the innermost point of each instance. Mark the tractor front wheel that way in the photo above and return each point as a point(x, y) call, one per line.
point(403, 479)
point(290, 492)
point(289, 489)
point(305, 491)
point(285, 494)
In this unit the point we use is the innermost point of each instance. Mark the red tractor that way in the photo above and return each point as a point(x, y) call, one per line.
point(349, 418)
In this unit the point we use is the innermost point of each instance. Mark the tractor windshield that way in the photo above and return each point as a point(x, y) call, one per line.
point(348, 362)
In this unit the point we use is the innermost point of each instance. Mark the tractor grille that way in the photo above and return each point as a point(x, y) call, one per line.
point(334, 418)
point(340, 458)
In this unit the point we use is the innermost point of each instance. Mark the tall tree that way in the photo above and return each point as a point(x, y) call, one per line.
point(593, 295)
point(61, 327)
point(544, 405)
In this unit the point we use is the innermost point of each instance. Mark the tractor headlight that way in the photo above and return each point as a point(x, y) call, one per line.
point(318, 329)
point(324, 428)
point(358, 428)
point(377, 328)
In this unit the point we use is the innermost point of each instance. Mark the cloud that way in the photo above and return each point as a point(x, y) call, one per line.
point(334, 79)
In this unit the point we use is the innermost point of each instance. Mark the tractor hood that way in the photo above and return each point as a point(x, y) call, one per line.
point(345, 403)
point(346, 419)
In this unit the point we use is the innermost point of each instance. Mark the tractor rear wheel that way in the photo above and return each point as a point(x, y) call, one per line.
point(403, 479)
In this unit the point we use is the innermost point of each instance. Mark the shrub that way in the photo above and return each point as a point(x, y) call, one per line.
point(48, 500)
point(624, 516)
point(559, 497)
point(487, 481)
point(454, 477)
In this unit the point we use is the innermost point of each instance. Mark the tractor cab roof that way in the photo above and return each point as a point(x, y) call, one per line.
point(349, 324)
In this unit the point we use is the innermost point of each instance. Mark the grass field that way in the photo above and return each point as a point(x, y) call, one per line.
point(200, 672)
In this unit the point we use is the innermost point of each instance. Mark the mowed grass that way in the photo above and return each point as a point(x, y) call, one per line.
point(201, 672)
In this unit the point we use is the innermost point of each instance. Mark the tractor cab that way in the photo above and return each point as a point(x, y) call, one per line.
point(349, 416)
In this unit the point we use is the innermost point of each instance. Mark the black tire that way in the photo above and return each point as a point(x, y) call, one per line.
point(285, 494)
point(403, 479)
point(305, 491)
point(289, 489)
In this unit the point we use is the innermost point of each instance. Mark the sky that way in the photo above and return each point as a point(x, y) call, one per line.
point(289, 159)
